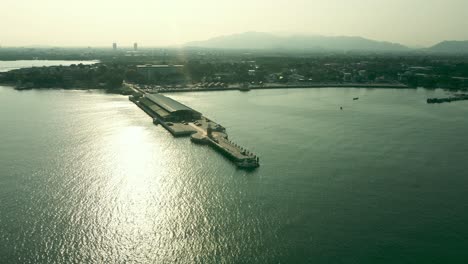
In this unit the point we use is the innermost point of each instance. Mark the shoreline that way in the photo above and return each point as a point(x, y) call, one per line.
point(120, 91)
point(298, 86)
point(125, 91)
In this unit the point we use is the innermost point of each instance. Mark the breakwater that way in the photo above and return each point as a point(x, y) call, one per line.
point(458, 97)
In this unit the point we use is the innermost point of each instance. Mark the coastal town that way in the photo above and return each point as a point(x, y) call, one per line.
point(169, 70)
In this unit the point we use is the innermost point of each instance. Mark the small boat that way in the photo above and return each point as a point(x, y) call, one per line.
point(356, 98)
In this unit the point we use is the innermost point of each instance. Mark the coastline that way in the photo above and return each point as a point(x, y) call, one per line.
point(121, 90)
point(124, 89)
point(282, 86)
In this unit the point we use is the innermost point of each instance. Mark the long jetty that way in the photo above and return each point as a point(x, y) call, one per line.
point(457, 97)
point(181, 120)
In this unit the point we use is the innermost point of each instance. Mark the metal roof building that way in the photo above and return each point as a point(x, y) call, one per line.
point(174, 109)
point(168, 104)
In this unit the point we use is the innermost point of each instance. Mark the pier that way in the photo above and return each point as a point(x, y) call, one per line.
point(456, 97)
point(181, 120)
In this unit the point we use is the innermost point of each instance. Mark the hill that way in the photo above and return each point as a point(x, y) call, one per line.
point(450, 47)
point(258, 40)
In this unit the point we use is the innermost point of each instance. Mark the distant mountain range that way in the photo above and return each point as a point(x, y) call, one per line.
point(267, 41)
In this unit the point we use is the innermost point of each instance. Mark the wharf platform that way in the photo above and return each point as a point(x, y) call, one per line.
point(175, 128)
point(218, 139)
point(201, 130)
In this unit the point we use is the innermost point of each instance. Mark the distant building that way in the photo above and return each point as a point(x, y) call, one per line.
point(152, 72)
point(223, 76)
point(419, 69)
point(114, 46)
point(296, 78)
point(347, 76)
point(272, 78)
point(135, 46)
point(460, 81)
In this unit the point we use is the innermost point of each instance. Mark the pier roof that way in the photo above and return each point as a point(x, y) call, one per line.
point(168, 104)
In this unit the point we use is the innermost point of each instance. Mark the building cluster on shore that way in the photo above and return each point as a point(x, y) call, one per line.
point(173, 69)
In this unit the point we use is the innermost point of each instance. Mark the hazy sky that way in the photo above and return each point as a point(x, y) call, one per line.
point(155, 22)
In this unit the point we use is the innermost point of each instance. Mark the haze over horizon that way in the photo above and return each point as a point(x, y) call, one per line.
point(161, 23)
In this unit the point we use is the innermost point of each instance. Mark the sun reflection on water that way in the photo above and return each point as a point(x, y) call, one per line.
point(133, 195)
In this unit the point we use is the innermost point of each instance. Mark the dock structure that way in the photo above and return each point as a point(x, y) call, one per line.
point(456, 97)
point(181, 120)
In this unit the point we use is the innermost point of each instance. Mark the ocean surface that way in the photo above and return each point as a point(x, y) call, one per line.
point(85, 177)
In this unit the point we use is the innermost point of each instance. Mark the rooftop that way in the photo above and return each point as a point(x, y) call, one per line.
point(168, 104)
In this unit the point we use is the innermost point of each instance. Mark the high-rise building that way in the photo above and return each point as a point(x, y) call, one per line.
point(114, 46)
point(135, 46)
